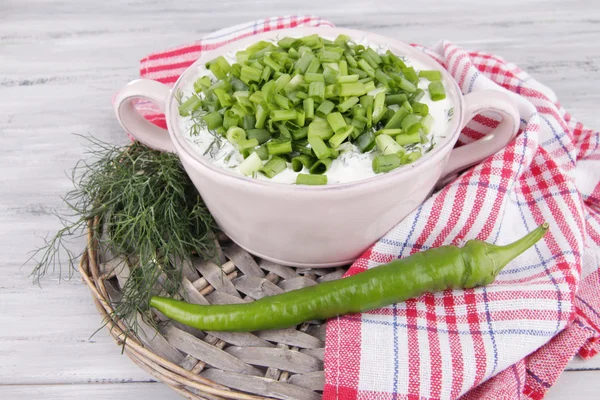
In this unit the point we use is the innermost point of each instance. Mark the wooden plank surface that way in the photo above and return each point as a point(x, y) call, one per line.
point(62, 60)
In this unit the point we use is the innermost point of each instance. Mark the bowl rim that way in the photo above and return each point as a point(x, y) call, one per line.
point(183, 145)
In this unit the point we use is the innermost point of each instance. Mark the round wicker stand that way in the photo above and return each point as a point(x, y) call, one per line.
point(282, 364)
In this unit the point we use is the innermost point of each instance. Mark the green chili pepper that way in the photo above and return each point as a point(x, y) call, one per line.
point(446, 267)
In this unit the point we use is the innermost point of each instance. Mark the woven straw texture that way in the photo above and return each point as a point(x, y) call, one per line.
point(282, 364)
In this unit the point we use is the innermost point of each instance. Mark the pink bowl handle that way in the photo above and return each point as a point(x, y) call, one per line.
point(472, 153)
point(133, 122)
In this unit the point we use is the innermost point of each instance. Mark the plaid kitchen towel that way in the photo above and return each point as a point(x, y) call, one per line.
point(511, 339)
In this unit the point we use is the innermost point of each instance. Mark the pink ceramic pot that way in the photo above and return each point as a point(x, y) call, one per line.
point(317, 226)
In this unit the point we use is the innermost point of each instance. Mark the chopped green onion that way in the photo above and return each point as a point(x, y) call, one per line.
point(283, 102)
point(301, 148)
point(262, 152)
point(251, 164)
point(329, 75)
point(378, 106)
point(274, 166)
point(373, 55)
point(352, 89)
point(383, 78)
point(300, 134)
point(396, 121)
point(313, 67)
point(417, 95)
point(213, 120)
point(410, 74)
point(321, 166)
point(302, 161)
point(369, 86)
point(427, 123)
point(248, 122)
point(359, 127)
point(245, 144)
point(411, 157)
point(336, 140)
point(268, 90)
point(420, 108)
point(281, 82)
point(411, 124)
point(286, 42)
point(266, 73)
point(355, 71)
point(257, 97)
point(318, 146)
point(243, 55)
point(279, 146)
point(365, 66)
point(325, 108)
point(366, 141)
point(230, 119)
point(330, 56)
point(385, 163)
point(437, 91)
point(191, 104)
point(320, 128)
point(235, 135)
point(294, 98)
point(347, 79)
point(309, 108)
point(307, 99)
point(307, 179)
point(387, 145)
point(432, 75)
point(261, 135)
point(349, 103)
point(336, 121)
point(202, 84)
point(300, 117)
point(330, 91)
point(284, 132)
point(312, 41)
point(403, 140)
point(342, 40)
point(389, 132)
point(282, 115)
point(343, 67)
point(294, 83)
point(261, 115)
point(369, 60)
point(316, 91)
point(224, 98)
point(303, 62)
point(219, 67)
point(313, 77)
point(406, 85)
point(351, 60)
point(251, 73)
point(274, 65)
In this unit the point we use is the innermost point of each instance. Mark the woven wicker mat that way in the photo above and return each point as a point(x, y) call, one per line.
point(282, 364)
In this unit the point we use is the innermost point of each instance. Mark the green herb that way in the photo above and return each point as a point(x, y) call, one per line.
point(151, 212)
point(312, 88)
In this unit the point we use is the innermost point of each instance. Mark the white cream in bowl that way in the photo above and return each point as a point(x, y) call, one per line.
point(351, 165)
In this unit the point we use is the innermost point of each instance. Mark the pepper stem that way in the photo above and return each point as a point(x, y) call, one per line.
point(504, 254)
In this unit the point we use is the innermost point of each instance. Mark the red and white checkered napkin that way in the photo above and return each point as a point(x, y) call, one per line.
point(511, 339)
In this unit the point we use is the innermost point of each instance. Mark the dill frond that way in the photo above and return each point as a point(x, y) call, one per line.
point(151, 211)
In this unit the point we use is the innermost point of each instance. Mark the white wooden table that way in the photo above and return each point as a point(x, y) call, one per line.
point(60, 63)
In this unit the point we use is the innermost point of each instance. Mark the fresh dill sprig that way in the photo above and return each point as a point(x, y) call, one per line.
point(152, 214)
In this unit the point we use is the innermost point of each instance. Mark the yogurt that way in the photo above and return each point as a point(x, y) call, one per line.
point(351, 164)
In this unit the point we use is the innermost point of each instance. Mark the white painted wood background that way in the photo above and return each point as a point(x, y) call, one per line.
point(62, 60)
